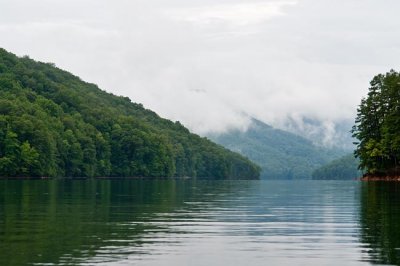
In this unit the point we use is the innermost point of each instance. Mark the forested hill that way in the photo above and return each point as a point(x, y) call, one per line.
point(344, 168)
point(54, 124)
point(281, 154)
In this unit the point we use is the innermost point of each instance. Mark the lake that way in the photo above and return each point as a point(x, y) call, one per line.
point(194, 222)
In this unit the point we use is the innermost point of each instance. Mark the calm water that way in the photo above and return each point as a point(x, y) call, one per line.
point(139, 222)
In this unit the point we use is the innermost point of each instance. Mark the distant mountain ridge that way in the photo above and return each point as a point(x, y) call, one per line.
point(281, 154)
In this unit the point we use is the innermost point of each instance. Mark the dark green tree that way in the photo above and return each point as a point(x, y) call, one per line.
point(9, 163)
point(29, 160)
point(377, 126)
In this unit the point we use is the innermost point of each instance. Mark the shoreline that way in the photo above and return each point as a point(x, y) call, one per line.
point(365, 178)
point(380, 178)
point(95, 177)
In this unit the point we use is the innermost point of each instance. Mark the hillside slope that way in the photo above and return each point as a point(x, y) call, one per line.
point(344, 168)
point(281, 155)
point(54, 124)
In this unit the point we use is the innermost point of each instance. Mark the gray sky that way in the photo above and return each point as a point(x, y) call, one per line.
point(212, 64)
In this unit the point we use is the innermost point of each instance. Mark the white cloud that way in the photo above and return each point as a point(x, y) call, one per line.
point(237, 14)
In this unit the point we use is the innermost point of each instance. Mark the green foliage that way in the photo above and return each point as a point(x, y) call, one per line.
point(29, 159)
point(344, 168)
point(54, 124)
point(377, 126)
point(281, 155)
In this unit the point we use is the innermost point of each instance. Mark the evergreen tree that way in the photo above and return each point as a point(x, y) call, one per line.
point(377, 126)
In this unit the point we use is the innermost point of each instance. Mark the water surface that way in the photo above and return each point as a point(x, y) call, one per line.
point(192, 222)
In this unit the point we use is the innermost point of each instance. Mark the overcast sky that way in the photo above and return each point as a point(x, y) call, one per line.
point(212, 64)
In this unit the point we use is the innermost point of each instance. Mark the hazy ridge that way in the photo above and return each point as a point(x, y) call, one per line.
point(281, 154)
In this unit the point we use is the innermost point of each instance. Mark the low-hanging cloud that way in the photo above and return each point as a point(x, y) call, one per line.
point(215, 64)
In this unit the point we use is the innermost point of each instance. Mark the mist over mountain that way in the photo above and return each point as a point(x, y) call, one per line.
point(281, 154)
point(324, 133)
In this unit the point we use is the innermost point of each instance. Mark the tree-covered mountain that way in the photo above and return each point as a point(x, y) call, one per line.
point(54, 124)
point(344, 168)
point(377, 126)
point(281, 155)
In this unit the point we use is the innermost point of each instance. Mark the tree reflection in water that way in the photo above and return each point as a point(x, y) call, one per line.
point(380, 221)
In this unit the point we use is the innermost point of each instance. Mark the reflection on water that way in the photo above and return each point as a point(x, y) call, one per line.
point(380, 219)
point(155, 222)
